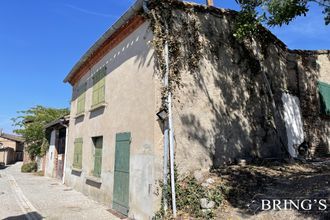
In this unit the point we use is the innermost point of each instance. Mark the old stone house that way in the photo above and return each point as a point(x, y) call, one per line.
point(174, 80)
point(11, 148)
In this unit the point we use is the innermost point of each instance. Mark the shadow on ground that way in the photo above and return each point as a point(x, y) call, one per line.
point(277, 181)
point(30, 215)
point(2, 167)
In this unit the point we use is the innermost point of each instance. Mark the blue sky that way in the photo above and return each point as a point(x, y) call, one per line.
point(40, 40)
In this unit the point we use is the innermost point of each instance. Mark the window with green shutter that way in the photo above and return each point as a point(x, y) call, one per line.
point(324, 92)
point(80, 93)
point(98, 146)
point(77, 155)
point(99, 87)
point(81, 104)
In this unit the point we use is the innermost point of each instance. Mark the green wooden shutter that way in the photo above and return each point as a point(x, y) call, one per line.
point(77, 156)
point(98, 145)
point(95, 98)
point(99, 87)
point(101, 90)
point(81, 104)
point(81, 93)
point(324, 91)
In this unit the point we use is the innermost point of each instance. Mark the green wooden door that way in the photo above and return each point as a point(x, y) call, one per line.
point(121, 175)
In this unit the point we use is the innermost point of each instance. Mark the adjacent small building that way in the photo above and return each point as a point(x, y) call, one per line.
point(11, 148)
point(54, 160)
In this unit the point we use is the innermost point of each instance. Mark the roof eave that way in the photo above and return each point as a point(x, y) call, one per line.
point(12, 137)
point(62, 120)
point(131, 12)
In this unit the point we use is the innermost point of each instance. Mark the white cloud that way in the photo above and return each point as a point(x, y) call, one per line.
point(82, 10)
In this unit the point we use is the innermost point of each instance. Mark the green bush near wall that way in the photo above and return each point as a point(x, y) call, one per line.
point(29, 167)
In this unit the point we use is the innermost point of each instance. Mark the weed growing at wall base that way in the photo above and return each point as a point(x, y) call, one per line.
point(188, 198)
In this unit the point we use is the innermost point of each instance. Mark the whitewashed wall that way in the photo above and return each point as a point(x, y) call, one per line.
point(49, 168)
point(293, 122)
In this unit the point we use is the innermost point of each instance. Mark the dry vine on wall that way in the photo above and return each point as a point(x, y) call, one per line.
point(167, 18)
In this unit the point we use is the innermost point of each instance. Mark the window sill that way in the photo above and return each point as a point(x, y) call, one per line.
point(79, 115)
point(98, 106)
point(94, 179)
point(76, 169)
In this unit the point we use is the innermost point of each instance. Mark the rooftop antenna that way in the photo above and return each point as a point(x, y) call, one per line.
point(209, 3)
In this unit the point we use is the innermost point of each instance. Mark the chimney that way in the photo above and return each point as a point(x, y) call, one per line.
point(209, 2)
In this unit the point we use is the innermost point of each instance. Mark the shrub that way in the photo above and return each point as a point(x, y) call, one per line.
point(29, 167)
point(188, 195)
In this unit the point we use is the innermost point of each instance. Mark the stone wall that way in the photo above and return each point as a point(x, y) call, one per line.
point(310, 67)
point(230, 107)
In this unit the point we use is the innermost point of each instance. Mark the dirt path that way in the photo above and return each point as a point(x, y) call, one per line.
point(248, 185)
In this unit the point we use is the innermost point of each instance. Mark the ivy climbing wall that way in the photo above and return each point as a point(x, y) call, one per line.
point(227, 93)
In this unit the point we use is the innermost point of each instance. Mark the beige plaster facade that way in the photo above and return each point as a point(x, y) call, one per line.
point(131, 98)
point(10, 151)
point(7, 156)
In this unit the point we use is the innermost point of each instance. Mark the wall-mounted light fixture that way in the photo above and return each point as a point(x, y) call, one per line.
point(162, 114)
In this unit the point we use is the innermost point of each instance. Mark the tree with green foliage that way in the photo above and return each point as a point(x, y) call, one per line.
point(273, 13)
point(30, 124)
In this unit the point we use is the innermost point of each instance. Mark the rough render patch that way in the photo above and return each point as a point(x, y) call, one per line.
point(293, 122)
point(323, 62)
point(143, 184)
